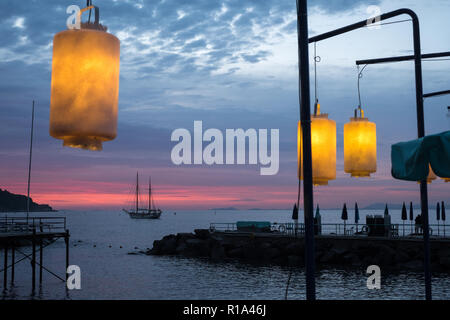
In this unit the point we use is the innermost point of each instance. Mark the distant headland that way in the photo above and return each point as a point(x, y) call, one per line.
point(10, 202)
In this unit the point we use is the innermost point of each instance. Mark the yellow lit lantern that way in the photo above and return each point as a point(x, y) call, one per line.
point(323, 149)
point(360, 147)
point(85, 86)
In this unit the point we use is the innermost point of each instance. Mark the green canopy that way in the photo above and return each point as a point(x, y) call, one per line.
point(411, 159)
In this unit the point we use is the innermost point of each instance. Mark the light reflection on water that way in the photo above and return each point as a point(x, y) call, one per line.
point(108, 272)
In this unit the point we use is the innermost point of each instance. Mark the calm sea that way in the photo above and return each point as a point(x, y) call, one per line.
point(100, 242)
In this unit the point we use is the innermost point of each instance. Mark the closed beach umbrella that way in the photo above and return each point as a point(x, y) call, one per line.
point(411, 214)
point(443, 211)
point(295, 218)
point(356, 216)
point(344, 215)
point(443, 215)
point(404, 213)
point(438, 214)
point(318, 218)
point(295, 212)
point(404, 216)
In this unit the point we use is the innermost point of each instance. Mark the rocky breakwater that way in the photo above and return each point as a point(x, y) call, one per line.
point(390, 254)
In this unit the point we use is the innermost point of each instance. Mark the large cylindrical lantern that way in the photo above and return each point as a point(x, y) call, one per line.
point(323, 149)
point(85, 87)
point(360, 147)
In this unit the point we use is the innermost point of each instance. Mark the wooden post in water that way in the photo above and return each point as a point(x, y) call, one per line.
point(5, 268)
point(40, 261)
point(13, 258)
point(33, 262)
point(66, 239)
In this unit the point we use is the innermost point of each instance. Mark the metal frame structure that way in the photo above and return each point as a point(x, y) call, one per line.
point(304, 88)
point(403, 58)
point(409, 58)
point(16, 232)
point(305, 120)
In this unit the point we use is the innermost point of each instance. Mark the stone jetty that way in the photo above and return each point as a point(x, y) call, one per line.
point(347, 251)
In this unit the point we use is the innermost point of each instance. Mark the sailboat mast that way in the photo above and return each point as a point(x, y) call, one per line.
point(137, 191)
point(29, 163)
point(149, 193)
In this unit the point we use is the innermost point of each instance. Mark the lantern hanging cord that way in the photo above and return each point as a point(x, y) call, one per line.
point(316, 60)
point(88, 4)
point(360, 75)
point(392, 22)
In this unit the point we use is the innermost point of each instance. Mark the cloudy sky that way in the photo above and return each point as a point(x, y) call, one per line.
point(231, 64)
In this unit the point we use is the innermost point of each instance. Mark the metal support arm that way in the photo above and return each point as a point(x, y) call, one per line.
point(420, 118)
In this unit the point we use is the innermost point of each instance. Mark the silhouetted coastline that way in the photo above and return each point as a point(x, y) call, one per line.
point(10, 202)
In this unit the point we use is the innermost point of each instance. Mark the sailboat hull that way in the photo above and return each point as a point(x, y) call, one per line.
point(144, 214)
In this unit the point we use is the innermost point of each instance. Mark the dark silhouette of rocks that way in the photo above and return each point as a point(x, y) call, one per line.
point(10, 202)
point(389, 254)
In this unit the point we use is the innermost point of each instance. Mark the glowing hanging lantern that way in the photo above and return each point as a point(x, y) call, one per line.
point(85, 85)
point(360, 146)
point(323, 149)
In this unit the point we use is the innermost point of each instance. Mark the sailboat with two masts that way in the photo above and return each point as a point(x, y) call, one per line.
point(144, 213)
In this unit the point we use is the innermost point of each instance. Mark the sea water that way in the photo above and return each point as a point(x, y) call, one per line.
point(101, 240)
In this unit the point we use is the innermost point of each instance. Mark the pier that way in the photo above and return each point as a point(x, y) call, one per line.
point(361, 230)
point(20, 234)
point(392, 247)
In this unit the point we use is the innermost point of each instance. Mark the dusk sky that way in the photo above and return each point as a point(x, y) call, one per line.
point(231, 64)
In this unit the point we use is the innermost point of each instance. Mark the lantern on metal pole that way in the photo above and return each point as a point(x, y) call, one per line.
point(323, 142)
point(360, 143)
point(85, 84)
point(306, 169)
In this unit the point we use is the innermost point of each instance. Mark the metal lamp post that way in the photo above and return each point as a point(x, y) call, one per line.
point(305, 118)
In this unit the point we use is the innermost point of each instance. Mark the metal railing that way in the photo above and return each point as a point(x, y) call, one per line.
point(39, 224)
point(392, 230)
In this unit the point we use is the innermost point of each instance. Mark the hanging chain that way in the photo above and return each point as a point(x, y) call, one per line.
point(316, 60)
point(88, 4)
point(360, 75)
